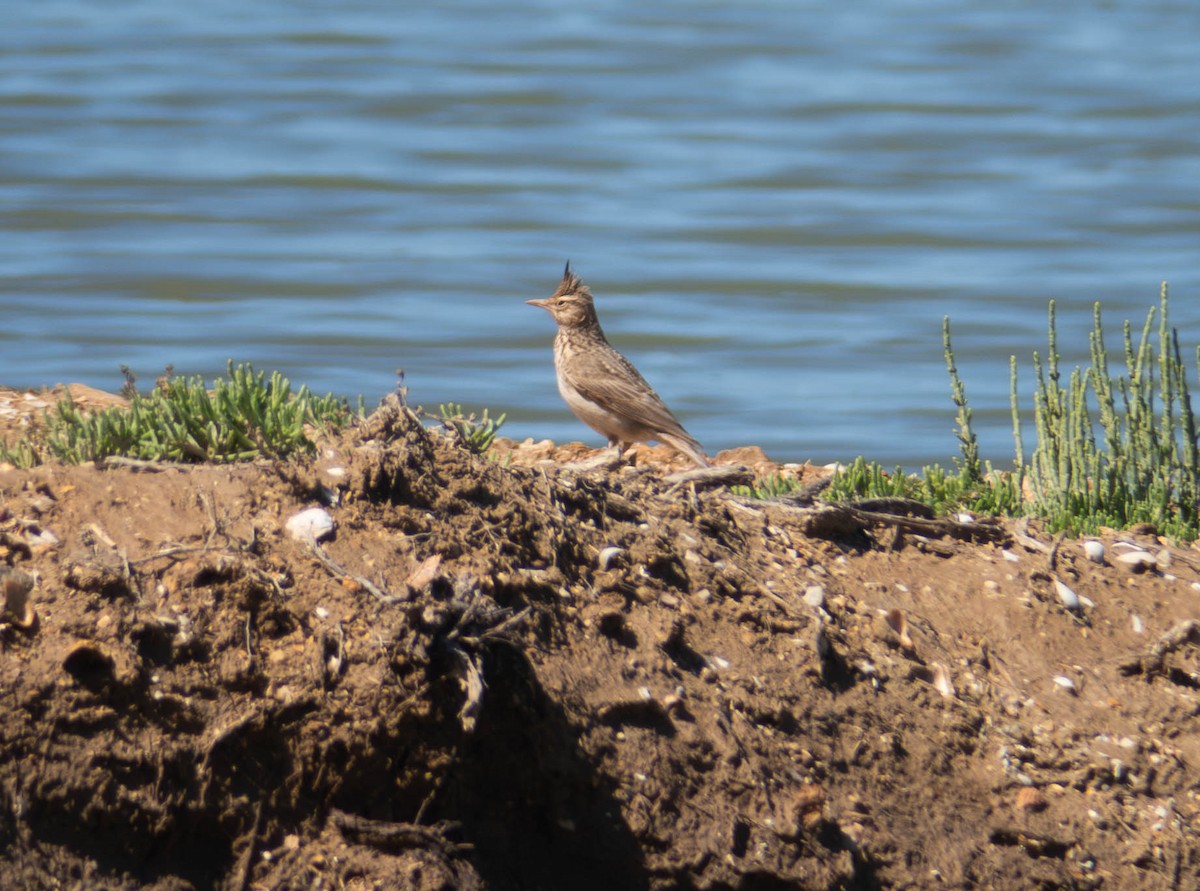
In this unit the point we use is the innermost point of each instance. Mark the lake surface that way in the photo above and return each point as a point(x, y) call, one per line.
point(775, 203)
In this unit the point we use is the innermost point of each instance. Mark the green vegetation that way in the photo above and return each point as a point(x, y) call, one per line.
point(1111, 451)
point(246, 415)
point(474, 433)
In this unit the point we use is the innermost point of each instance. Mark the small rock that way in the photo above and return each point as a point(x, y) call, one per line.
point(1094, 550)
point(17, 608)
point(312, 524)
point(814, 596)
point(1030, 799)
point(898, 622)
point(41, 539)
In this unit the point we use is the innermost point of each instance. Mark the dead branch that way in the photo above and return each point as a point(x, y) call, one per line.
point(339, 572)
point(710, 477)
point(1154, 660)
point(842, 520)
point(1021, 534)
point(397, 837)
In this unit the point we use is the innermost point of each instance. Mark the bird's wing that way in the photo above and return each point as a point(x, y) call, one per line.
point(610, 380)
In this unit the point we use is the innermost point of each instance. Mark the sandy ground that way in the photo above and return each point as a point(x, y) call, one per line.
point(514, 674)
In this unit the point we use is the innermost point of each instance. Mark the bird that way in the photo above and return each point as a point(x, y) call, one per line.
point(600, 385)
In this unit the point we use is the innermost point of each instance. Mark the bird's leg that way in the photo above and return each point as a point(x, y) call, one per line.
point(621, 447)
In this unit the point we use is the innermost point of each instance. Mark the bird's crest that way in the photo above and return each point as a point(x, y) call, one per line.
point(572, 283)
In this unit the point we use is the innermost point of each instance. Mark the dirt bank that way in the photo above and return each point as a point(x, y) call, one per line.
point(512, 675)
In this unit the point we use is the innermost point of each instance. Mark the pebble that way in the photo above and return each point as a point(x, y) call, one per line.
point(1094, 550)
point(1066, 596)
point(312, 524)
point(1030, 799)
point(17, 586)
point(1066, 684)
point(814, 595)
point(1136, 561)
point(41, 539)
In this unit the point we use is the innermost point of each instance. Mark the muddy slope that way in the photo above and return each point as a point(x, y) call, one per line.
point(517, 676)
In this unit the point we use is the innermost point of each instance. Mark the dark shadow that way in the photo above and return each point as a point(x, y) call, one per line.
point(527, 797)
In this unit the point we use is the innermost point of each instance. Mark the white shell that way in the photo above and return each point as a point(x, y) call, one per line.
point(942, 682)
point(1066, 684)
point(608, 555)
point(312, 524)
point(1066, 596)
point(1094, 550)
point(1136, 622)
point(1137, 561)
point(898, 622)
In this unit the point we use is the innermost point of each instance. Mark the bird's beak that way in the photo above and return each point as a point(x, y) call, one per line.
point(544, 304)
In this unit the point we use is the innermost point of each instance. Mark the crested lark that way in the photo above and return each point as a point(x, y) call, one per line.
point(599, 384)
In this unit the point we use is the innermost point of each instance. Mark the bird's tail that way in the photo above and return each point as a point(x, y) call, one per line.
point(687, 446)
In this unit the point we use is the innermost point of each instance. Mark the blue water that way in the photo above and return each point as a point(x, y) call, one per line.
point(774, 203)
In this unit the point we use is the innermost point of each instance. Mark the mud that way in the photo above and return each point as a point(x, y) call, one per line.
point(512, 674)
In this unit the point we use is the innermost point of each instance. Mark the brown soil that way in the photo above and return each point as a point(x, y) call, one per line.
point(515, 675)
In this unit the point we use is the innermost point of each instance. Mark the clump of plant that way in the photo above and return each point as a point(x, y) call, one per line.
point(1114, 451)
point(476, 433)
point(1111, 451)
point(245, 415)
